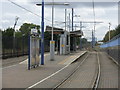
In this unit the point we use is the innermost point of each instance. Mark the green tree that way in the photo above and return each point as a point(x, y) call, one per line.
point(117, 30)
point(0, 31)
point(84, 40)
point(113, 33)
point(18, 34)
point(26, 27)
point(8, 32)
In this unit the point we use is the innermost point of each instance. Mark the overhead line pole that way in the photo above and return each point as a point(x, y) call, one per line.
point(93, 31)
point(52, 42)
point(72, 18)
point(80, 37)
point(52, 18)
point(42, 35)
point(69, 32)
point(93, 39)
point(94, 23)
point(65, 18)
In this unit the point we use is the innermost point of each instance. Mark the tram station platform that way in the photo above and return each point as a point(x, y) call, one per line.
point(18, 76)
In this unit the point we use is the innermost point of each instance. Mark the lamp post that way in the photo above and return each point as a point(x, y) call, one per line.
point(52, 42)
point(109, 39)
point(72, 18)
point(65, 19)
point(42, 33)
point(42, 36)
point(16, 19)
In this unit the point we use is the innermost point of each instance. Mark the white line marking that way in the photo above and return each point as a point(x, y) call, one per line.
point(19, 63)
point(9, 66)
point(23, 61)
point(47, 77)
point(113, 60)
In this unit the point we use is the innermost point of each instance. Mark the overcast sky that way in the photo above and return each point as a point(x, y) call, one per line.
point(104, 11)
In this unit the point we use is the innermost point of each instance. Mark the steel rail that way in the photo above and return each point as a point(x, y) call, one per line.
point(97, 77)
point(96, 82)
point(63, 81)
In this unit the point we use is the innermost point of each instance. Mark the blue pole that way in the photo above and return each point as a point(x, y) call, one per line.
point(72, 19)
point(42, 35)
point(29, 52)
point(92, 40)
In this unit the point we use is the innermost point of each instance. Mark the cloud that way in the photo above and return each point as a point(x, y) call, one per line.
point(5, 21)
point(106, 12)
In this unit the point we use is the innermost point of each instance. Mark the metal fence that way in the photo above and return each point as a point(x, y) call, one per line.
point(15, 47)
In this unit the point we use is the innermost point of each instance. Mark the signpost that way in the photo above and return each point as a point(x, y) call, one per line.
point(34, 59)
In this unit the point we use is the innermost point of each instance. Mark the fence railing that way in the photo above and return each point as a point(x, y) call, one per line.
point(14, 47)
point(17, 47)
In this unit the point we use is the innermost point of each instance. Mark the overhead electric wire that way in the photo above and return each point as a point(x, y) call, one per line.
point(23, 8)
point(27, 9)
point(31, 12)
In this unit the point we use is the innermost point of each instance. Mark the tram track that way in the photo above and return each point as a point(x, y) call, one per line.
point(58, 85)
point(96, 83)
point(96, 78)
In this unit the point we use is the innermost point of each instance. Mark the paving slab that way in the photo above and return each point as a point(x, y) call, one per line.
point(109, 72)
point(18, 76)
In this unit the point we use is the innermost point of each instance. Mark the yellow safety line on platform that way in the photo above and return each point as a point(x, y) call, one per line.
point(62, 62)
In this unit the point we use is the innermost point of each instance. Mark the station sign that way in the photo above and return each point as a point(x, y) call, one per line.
point(34, 31)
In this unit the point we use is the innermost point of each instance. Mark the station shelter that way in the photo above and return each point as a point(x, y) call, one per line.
point(65, 41)
point(73, 37)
